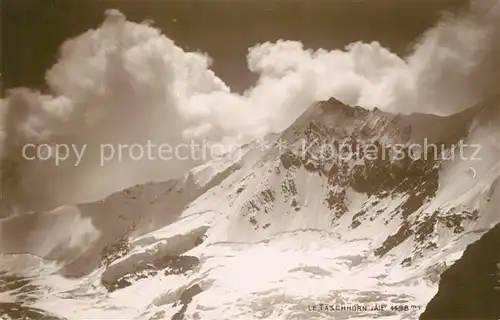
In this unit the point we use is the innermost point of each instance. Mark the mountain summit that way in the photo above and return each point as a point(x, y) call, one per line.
point(348, 213)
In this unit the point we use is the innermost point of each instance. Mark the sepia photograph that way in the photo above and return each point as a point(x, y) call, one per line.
point(249, 159)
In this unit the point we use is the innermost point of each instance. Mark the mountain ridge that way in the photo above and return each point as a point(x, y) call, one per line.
point(361, 229)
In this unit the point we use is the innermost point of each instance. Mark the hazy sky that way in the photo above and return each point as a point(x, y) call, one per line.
point(32, 30)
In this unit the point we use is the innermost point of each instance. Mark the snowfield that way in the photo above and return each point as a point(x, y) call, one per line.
point(259, 237)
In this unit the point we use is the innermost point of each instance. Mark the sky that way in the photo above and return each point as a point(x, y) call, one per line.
point(33, 30)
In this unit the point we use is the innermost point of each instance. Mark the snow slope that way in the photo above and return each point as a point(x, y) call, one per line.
point(276, 230)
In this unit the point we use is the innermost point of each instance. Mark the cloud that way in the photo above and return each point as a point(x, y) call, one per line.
point(128, 83)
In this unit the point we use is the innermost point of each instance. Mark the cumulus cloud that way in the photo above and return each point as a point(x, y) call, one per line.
point(128, 83)
point(455, 64)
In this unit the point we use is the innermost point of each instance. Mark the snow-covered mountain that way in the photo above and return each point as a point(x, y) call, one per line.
point(295, 226)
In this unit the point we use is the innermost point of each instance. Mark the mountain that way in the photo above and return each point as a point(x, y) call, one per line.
point(470, 289)
point(348, 213)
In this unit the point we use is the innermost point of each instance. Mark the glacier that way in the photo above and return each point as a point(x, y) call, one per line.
point(270, 233)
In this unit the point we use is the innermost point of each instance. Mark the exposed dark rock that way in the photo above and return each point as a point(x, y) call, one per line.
point(355, 224)
point(20, 286)
point(470, 289)
point(172, 265)
point(290, 160)
point(114, 251)
point(378, 154)
point(263, 200)
point(250, 207)
point(394, 240)
point(9, 282)
point(295, 205)
point(18, 311)
point(454, 221)
point(335, 200)
point(186, 298)
point(288, 188)
point(253, 221)
point(406, 262)
point(373, 152)
point(355, 219)
point(268, 195)
point(240, 190)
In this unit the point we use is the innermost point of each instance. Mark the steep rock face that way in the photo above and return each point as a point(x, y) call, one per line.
point(16, 311)
point(353, 151)
point(470, 289)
